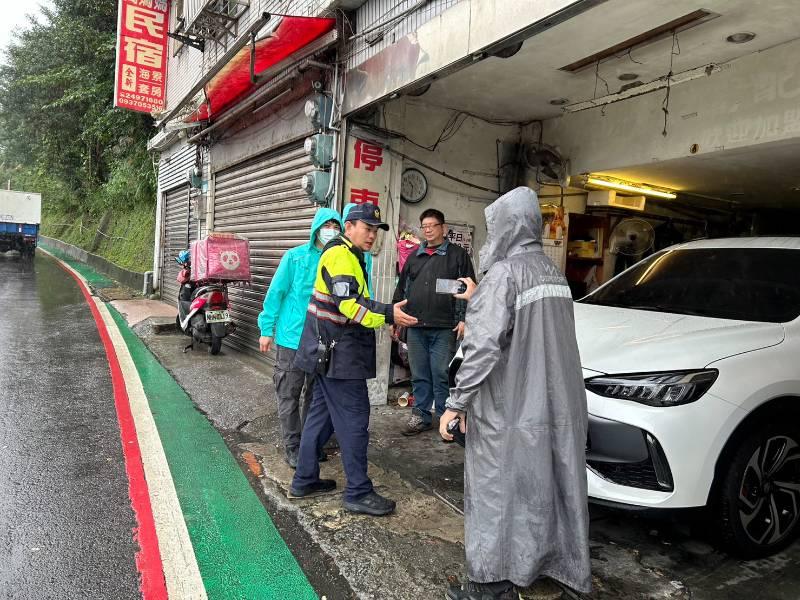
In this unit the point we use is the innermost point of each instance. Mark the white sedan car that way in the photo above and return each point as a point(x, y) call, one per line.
point(692, 366)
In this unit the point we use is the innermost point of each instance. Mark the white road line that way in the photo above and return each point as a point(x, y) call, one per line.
point(181, 572)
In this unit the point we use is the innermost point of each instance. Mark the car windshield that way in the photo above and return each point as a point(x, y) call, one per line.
point(747, 284)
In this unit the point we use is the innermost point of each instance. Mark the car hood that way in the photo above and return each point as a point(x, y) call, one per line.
point(623, 340)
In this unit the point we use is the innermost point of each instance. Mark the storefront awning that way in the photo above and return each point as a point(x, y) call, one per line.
point(233, 83)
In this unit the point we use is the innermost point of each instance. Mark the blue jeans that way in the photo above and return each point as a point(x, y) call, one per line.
point(430, 351)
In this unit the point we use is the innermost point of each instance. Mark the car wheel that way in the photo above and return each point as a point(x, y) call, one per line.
point(758, 502)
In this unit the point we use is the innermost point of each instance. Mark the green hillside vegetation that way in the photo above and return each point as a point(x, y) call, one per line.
point(61, 136)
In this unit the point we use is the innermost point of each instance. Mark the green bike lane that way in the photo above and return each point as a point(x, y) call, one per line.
point(240, 552)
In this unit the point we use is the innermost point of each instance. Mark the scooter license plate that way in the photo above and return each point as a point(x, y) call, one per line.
point(217, 316)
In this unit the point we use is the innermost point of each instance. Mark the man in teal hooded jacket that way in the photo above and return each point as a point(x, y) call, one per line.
point(281, 323)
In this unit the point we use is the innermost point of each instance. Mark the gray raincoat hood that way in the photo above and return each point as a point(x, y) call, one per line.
point(521, 386)
point(513, 225)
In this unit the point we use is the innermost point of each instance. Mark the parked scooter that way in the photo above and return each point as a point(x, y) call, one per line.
point(202, 308)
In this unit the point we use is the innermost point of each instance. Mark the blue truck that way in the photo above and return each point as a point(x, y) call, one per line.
point(20, 217)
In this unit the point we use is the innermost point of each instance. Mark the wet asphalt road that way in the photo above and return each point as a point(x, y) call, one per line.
point(65, 516)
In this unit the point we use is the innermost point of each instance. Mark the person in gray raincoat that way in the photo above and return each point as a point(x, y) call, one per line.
point(520, 396)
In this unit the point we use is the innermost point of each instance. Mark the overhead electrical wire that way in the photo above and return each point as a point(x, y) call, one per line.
point(672, 54)
point(450, 129)
point(440, 172)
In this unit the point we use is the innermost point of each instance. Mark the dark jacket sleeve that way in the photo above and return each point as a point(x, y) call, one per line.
point(400, 290)
point(465, 269)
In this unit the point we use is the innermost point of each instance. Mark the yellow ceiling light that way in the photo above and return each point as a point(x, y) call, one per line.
point(632, 188)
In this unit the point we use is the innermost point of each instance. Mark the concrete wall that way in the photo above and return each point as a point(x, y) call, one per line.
point(447, 42)
point(384, 281)
point(285, 125)
point(753, 100)
point(130, 279)
point(375, 12)
point(471, 155)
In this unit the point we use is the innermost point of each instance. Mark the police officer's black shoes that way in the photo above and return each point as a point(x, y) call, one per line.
point(371, 504)
point(501, 590)
point(319, 487)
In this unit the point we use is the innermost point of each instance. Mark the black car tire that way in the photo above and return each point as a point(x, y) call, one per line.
point(216, 345)
point(757, 507)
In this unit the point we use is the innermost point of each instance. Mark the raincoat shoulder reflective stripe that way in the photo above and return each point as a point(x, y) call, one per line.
point(284, 311)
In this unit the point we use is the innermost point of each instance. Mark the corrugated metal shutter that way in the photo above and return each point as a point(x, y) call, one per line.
point(180, 228)
point(172, 168)
point(261, 200)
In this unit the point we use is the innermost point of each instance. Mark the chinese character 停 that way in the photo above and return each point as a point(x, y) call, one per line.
point(369, 155)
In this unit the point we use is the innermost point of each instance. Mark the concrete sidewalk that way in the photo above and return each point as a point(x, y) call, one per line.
point(412, 554)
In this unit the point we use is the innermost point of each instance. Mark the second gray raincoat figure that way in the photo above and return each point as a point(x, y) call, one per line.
point(522, 388)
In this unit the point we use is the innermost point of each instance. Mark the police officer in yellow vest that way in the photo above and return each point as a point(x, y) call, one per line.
point(338, 344)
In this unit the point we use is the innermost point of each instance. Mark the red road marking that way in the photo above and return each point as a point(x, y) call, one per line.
point(148, 559)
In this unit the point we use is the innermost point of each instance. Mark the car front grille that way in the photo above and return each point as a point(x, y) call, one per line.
point(640, 475)
point(627, 455)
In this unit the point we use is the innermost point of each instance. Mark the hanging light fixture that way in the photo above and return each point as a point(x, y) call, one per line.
point(630, 187)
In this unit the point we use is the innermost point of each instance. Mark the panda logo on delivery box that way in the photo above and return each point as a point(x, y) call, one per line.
point(229, 259)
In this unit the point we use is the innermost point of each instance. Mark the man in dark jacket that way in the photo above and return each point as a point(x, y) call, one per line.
point(441, 317)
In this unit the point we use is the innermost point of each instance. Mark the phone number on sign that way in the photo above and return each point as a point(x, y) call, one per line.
point(148, 105)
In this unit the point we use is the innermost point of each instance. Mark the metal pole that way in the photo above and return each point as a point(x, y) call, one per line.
point(188, 214)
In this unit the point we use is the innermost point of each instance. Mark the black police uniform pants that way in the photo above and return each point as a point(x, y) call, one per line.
point(340, 405)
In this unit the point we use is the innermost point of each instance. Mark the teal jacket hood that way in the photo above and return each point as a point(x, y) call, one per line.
point(323, 216)
point(286, 301)
point(367, 256)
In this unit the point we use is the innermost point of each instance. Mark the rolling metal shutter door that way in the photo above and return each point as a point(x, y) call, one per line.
point(261, 200)
point(175, 238)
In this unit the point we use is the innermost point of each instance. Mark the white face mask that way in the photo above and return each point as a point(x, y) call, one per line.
point(326, 235)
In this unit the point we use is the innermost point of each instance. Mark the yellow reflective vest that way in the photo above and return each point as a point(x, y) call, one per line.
point(342, 315)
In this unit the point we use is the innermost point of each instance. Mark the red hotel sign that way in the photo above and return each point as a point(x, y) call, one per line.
point(140, 81)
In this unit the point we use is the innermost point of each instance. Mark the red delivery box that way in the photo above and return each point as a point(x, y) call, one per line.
point(221, 257)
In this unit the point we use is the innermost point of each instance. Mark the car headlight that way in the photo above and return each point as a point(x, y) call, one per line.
point(655, 389)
